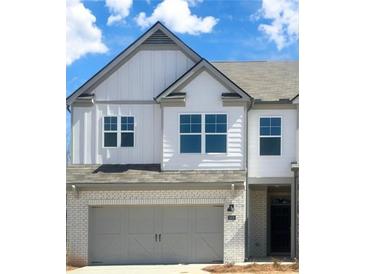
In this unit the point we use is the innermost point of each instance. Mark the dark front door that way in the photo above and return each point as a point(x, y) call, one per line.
point(280, 225)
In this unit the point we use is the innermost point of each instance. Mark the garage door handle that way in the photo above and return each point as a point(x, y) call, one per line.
point(155, 237)
point(159, 237)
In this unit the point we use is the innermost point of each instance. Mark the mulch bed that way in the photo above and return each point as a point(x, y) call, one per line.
point(253, 268)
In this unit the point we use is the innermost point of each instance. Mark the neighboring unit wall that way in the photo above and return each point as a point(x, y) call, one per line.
point(87, 135)
point(78, 208)
point(203, 95)
point(144, 76)
point(272, 166)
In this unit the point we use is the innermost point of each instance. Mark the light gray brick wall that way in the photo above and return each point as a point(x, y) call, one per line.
point(257, 223)
point(77, 215)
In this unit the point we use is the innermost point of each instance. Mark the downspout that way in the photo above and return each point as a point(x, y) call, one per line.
point(247, 188)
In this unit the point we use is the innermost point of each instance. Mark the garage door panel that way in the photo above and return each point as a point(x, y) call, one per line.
point(141, 248)
point(209, 247)
point(108, 249)
point(209, 219)
point(175, 248)
point(141, 220)
point(107, 220)
point(175, 220)
point(127, 234)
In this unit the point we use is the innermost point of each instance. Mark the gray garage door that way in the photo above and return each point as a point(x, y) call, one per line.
point(151, 235)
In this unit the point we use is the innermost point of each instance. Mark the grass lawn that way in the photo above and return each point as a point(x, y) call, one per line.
point(274, 268)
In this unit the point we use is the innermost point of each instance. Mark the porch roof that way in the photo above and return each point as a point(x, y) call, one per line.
point(148, 174)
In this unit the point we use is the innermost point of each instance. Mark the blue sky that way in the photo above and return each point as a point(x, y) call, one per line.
point(244, 30)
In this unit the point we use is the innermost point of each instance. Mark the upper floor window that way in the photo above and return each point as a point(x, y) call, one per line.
point(127, 131)
point(215, 133)
point(194, 132)
point(270, 136)
point(110, 131)
point(190, 133)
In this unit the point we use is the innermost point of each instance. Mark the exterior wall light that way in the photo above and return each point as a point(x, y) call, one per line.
point(230, 208)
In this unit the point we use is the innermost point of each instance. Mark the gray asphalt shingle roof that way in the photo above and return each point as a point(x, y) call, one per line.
point(79, 174)
point(265, 80)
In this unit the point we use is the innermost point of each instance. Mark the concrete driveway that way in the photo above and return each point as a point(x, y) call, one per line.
point(142, 269)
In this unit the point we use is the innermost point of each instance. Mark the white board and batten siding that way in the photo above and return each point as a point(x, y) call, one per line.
point(87, 141)
point(141, 78)
point(272, 166)
point(203, 95)
point(144, 76)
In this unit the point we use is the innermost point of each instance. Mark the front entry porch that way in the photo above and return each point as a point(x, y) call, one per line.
point(271, 221)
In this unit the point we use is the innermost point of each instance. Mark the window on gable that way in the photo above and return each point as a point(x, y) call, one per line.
point(190, 133)
point(127, 131)
point(215, 133)
point(110, 131)
point(270, 136)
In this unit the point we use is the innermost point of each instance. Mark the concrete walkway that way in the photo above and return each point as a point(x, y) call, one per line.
point(142, 269)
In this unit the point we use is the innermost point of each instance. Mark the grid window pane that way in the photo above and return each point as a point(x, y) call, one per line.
point(196, 128)
point(270, 126)
point(275, 122)
point(110, 123)
point(196, 119)
point(190, 144)
point(127, 139)
point(216, 123)
point(127, 123)
point(270, 145)
point(264, 122)
point(221, 128)
point(184, 128)
point(210, 118)
point(264, 130)
point(190, 123)
point(185, 119)
point(216, 143)
point(275, 130)
point(222, 118)
point(110, 139)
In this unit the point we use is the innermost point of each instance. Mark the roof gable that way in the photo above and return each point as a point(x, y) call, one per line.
point(203, 65)
point(158, 34)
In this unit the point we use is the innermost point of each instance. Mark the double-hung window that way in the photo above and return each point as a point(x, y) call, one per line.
point(215, 133)
point(127, 131)
point(110, 131)
point(190, 133)
point(270, 136)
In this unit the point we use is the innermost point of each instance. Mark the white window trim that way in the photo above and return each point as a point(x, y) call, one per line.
point(127, 131)
point(202, 133)
point(271, 136)
point(119, 132)
point(109, 131)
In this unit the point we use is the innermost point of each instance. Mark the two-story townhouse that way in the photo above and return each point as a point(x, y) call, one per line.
point(178, 160)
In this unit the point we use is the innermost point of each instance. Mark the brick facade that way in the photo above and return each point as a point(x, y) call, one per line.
point(77, 215)
point(258, 223)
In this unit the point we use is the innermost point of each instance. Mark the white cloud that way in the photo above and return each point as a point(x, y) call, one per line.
point(82, 35)
point(119, 10)
point(283, 14)
point(177, 16)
